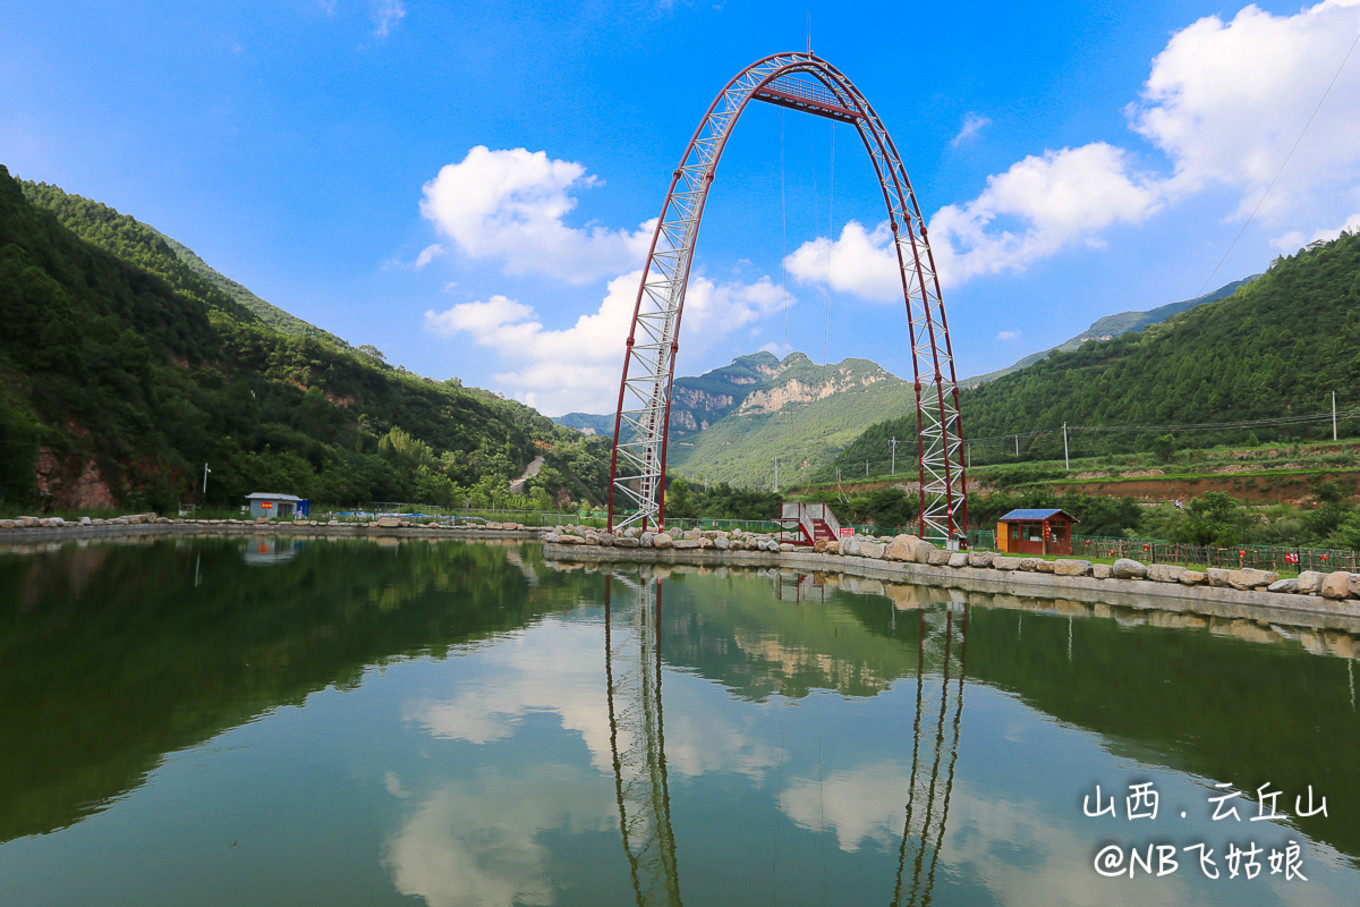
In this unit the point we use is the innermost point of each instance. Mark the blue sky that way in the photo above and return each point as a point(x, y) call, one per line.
point(466, 186)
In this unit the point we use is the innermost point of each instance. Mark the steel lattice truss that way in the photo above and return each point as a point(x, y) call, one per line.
point(935, 752)
point(800, 81)
point(636, 738)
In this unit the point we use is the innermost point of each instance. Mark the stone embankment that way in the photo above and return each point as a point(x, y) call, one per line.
point(41, 529)
point(906, 556)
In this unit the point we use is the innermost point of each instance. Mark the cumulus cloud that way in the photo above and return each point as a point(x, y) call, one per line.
point(387, 14)
point(1041, 205)
point(1224, 101)
point(1297, 239)
point(511, 204)
point(1008, 335)
point(1227, 101)
point(973, 123)
point(861, 262)
point(575, 368)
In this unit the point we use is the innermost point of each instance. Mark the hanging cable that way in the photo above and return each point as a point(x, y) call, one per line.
point(831, 244)
point(784, 234)
point(1330, 86)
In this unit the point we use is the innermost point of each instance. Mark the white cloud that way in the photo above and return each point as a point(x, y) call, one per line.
point(973, 123)
point(577, 368)
point(429, 254)
point(510, 205)
point(1008, 335)
point(387, 14)
point(1227, 101)
point(1294, 240)
point(861, 263)
point(1038, 207)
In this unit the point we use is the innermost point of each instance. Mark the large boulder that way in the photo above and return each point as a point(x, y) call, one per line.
point(1219, 577)
point(1192, 578)
point(1002, 562)
point(722, 542)
point(901, 548)
point(1336, 585)
point(938, 557)
point(1289, 585)
point(1310, 582)
point(923, 549)
point(1128, 568)
point(872, 549)
point(1071, 567)
point(980, 558)
point(958, 558)
point(850, 547)
point(1250, 578)
point(1102, 571)
point(1165, 573)
point(662, 540)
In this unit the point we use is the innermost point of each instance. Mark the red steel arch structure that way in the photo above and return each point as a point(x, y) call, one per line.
point(800, 81)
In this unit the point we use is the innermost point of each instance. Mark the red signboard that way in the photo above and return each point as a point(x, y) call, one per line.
point(266, 505)
point(847, 532)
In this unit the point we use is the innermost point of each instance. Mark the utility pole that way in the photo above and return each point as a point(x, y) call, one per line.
point(776, 475)
point(1017, 445)
point(893, 469)
point(206, 470)
point(1333, 415)
point(866, 467)
point(969, 451)
point(1066, 460)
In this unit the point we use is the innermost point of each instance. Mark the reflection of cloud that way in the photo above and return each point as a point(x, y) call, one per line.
point(555, 667)
point(476, 843)
point(698, 743)
point(864, 803)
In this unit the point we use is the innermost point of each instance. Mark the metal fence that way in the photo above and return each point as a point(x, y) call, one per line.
point(1154, 551)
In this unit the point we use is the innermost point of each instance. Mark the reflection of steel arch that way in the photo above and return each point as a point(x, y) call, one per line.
point(801, 81)
point(928, 799)
point(637, 739)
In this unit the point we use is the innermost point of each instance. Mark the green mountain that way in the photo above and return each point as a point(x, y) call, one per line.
point(800, 414)
point(1112, 326)
point(1274, 350)
point(125, 368)
point(731, 424)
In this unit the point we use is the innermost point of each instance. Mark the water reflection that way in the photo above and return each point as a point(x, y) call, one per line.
point(637, 741)
point(928, 800)
point(633, 670)
point(464, 724)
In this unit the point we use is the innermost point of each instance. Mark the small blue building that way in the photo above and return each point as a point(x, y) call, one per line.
point(278, 506)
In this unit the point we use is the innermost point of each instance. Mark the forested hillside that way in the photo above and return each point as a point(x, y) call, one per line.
point(1275, 350)
point(1111, 326)
point(123, 370)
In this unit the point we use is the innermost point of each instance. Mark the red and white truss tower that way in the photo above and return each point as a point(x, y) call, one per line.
point(800, 81)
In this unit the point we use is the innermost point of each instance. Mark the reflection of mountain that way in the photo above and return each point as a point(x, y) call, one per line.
point(741, 634)
point(1155, 686)
point(110, 657)
point(1175, 696)
point(635, 638)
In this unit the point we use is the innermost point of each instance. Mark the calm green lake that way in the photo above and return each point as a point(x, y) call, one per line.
point(288, 721)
